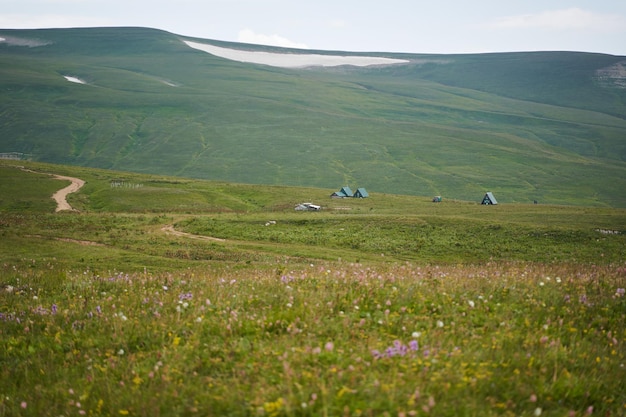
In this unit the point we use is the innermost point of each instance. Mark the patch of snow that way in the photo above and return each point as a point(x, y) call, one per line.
point(15, 41)
point(293, 60)
point(74, 79)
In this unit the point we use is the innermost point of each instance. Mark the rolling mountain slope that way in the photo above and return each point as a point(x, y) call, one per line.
point(527, 126)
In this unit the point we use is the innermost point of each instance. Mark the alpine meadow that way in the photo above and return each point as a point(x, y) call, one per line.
point(543, 126)
point(205, 263)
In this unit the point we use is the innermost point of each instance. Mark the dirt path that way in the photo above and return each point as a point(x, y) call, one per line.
point(61, 195)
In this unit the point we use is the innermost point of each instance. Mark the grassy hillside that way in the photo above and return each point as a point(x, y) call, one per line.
point(165, 295)
point(540, 126)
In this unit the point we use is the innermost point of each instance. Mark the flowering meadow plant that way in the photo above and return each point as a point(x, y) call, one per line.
point(321, 339)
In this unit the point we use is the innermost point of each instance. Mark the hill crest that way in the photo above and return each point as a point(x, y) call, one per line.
point(528, 126)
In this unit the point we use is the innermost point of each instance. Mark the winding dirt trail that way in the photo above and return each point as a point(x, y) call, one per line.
point(61, 196)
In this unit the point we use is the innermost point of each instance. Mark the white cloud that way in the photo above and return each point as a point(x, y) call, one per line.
point(572, 18)
point(249, 36)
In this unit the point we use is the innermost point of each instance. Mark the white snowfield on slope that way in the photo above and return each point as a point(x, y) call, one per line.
point(293, 60)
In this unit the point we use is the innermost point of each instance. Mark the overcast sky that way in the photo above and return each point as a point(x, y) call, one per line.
point(432, 26)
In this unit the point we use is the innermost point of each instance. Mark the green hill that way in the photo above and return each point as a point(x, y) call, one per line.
point(547, 126)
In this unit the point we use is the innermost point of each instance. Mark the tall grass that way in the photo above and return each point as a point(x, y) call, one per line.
point(325, 339)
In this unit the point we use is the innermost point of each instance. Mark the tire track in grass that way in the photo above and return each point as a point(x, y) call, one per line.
point(169, 229)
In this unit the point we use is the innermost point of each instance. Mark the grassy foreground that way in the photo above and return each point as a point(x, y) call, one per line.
point(473, 311)
point(497, 339)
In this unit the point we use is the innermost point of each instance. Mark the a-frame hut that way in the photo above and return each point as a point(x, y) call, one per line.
point(361, 193)
point(489, 199)
point(343, 193)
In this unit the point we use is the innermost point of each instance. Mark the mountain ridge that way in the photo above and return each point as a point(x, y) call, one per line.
point(547, 126)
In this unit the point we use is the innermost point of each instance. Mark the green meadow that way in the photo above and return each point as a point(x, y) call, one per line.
point(545, 126)
point(165, 295)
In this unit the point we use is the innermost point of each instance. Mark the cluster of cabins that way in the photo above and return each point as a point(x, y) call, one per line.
point(346, 192)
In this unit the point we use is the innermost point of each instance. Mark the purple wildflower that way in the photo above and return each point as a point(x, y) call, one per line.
point(54, 309)
point(186, 296)
point(620, 292)
point(400, 348)
point(397, 349)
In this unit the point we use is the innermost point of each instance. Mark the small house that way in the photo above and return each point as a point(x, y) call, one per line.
point(343, 193)
point(361, 193)
point(489, 199)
